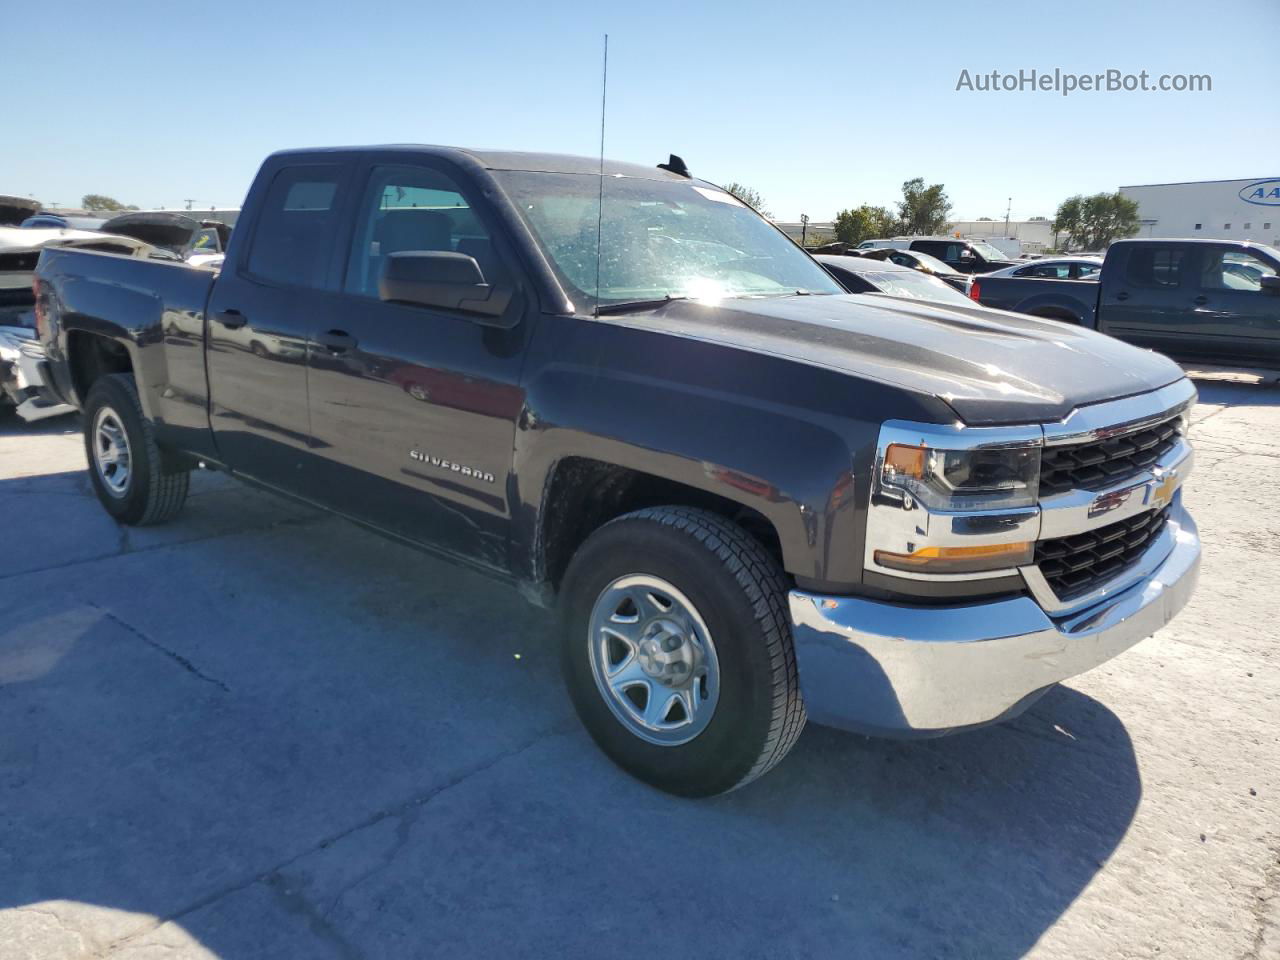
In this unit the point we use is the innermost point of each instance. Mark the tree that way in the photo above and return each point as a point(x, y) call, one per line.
point(863, 223)
point(923, 210)
point(99, 203)
point(748, 196)
point(985, 220)
point(1091, 223)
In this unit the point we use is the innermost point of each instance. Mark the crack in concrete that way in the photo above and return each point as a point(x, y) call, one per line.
point(413, 804)
point(1266, 908)
point(173, 655)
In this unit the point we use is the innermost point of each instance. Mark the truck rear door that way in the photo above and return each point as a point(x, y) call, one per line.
point(413, 408)
point(273, 293)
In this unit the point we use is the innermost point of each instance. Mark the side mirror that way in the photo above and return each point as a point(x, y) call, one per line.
point(1271, 285)
point(441, 278)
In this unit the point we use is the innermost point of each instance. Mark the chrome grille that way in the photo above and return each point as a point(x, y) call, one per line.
point(1078, 564)
point(1101, 463)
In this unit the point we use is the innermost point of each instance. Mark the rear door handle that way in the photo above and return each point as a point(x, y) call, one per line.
point(337, 341)
point(231, 319)
point(1122, 295)
point(1200, 300)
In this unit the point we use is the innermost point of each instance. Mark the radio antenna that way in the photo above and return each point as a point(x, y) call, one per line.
point(604, 99)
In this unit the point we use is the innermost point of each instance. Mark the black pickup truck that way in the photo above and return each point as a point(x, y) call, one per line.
point(1195, 300)
point(753, 497)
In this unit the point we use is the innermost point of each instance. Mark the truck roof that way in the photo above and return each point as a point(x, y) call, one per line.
point(506, 159)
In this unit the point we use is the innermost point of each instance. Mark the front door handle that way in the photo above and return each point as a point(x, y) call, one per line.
point(337, 341)
point(231, 319)
point(1122, 295)
point(1200, 300)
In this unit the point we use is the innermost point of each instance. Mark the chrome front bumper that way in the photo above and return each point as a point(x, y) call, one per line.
point(915, 671)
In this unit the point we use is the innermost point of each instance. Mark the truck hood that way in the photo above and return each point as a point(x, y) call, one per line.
point(990, 366)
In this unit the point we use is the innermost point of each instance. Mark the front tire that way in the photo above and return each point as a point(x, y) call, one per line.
point(677, 651)
point(126, 468)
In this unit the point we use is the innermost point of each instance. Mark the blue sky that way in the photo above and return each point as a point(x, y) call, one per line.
point(817, 106)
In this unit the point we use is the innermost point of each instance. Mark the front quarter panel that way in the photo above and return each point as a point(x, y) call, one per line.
point(789, 440)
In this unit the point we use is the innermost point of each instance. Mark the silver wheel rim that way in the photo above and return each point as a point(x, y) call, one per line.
point(653, 660)
point(112, 457)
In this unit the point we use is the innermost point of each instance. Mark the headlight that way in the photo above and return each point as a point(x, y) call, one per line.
point(984, 478)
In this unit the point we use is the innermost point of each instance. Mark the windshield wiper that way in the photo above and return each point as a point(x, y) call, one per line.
point(631, 306)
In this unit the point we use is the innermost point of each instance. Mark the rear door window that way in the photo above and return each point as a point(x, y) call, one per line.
point(1155, 266)
point(296, 226)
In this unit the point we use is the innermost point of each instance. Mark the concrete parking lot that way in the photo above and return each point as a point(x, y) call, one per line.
point(263, 732)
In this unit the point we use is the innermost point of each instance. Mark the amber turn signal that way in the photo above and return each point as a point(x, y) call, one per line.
point(904, 460)
point(992, 556)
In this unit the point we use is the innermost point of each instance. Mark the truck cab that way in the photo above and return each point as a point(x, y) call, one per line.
point(963, 256)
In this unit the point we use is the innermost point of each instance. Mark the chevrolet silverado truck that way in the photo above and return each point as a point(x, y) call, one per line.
point(1195, 300)
point(753, 497)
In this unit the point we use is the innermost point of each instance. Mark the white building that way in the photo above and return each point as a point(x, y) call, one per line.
point(1036, 236)
point(1217, 209)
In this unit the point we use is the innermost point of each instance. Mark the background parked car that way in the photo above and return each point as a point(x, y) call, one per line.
point(174, 233)
point(24, 382)
point(866, 275)
point(963, 256)
point(1055, 268)
point(13, 210)
point(894, 243)
point(59, 221)
point(915, 260)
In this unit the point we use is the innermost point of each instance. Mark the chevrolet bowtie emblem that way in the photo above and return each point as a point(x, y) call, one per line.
point(1163, 489)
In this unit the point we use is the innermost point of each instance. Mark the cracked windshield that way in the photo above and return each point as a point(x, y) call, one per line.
point(659, 239)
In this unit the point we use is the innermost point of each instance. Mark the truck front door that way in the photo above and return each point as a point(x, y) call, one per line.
point(263, 307)
point(413, 409)
point(1233, 318)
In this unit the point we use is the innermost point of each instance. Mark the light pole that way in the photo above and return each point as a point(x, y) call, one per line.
point(804, 228)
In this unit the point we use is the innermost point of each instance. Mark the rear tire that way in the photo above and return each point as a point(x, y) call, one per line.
point(126, 468)
point(711, 603)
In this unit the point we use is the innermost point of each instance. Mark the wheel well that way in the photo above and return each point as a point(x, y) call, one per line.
point(1056, 313)
point(583, 495)
point(91, 356)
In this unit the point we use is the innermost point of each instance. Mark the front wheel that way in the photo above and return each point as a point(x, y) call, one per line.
point(125, 465)
point(677, 652)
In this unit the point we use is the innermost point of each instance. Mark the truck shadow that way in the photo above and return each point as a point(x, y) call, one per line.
point(11, 425)
point(231, 755)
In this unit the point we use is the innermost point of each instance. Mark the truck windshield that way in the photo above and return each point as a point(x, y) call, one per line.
point(658, 239)
point(987, 251)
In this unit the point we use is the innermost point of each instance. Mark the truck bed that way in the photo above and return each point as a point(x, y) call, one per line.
point(161, 306)
point(1072, 300)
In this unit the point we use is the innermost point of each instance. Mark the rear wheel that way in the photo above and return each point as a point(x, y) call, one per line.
point(125, 465)
point(677, 650)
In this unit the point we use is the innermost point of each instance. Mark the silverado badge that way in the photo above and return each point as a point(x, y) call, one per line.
point(435, 461)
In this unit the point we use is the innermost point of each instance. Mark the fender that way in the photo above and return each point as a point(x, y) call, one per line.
point(781, 438)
